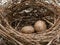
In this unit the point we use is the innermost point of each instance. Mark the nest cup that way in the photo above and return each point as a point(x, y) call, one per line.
point(26, 14)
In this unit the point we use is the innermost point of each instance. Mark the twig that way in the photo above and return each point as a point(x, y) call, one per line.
point(48, 21)
point(17, 25)
point(54, 18)
point(51, 41)
point(6, 35)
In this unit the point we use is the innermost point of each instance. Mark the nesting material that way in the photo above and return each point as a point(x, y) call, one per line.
point(40, 26)
point(27, 29)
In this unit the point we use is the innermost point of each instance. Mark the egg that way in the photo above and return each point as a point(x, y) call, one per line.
point(40, 26)
point(27, 29)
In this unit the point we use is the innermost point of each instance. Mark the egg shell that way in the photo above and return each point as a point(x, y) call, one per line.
point(27, 29)
point(40, 26)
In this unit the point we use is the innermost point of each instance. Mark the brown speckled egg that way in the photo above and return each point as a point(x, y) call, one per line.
point(27, 29)
point(40, 26)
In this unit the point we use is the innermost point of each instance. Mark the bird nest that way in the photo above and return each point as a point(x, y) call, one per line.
point(26, 13)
